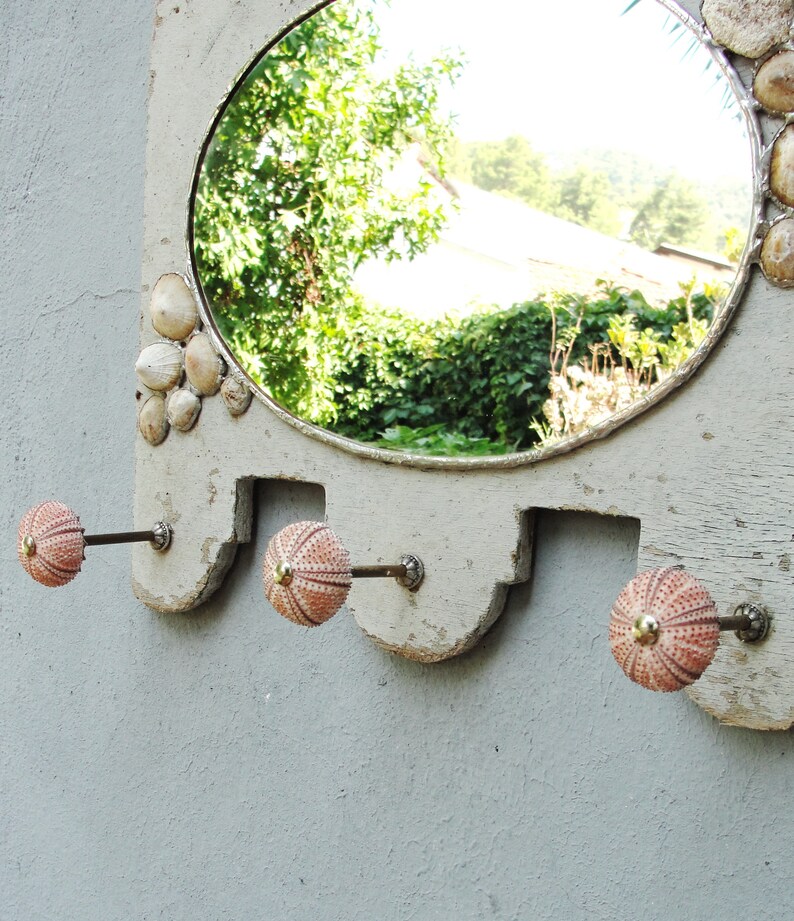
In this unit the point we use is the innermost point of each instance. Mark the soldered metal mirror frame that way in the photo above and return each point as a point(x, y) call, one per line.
point(470, 519)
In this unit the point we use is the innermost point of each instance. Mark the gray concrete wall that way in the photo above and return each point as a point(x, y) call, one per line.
point(224, 765)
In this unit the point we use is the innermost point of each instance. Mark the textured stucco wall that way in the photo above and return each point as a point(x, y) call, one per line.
point(224, 765)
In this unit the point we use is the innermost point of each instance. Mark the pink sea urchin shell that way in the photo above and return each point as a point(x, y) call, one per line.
point(307, 573)
point(664, 629)
point(50, 543)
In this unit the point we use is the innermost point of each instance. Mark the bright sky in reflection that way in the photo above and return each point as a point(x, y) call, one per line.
point(576, 74)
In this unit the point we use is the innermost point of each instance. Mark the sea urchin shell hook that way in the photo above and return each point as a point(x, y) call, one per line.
point(51, 542)
point(307, 573)
point(664, 628)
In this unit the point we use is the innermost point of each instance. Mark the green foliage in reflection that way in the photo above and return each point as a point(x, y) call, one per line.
point(291, 198)
point(437, 440)
point(510, 167)
point(475, 385)
point(297, 190)
point(514, 168)
point(600, 189)
point(673, 212)
point(585, 197)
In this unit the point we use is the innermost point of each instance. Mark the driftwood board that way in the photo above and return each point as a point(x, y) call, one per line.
point(707, 471)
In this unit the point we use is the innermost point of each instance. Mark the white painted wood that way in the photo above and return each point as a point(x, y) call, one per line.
point(708, 472)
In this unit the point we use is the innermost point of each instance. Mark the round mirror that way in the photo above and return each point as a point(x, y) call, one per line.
point(436, 234)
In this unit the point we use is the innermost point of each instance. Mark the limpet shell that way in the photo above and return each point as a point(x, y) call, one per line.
point(781, 167)
point(203, 365)
point(748, 27)
point(773, 85)
point(152, 420)
point(50, 543)
point(183, 407)
point(306, 573)
point(687, 629)
point(159, 366)
point(172, 307)
point(777, 253)
point(236, 396)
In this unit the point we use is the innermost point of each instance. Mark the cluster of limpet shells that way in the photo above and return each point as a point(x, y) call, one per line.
point(762, 30)
point(182, 367)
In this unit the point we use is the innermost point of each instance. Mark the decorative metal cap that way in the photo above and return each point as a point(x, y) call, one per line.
point(162, 535)
point(282, 574)
point(755, 622)
point(645, 630)
point(414, 572)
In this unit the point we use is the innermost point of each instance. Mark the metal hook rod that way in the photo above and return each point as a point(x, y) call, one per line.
point(159, 536)
point(397, 570)
point(409, 572)
point(748, 621)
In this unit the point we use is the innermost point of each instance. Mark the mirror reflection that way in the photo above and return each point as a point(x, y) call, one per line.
point(434, 236)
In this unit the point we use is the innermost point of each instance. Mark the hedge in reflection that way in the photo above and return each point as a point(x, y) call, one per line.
point(478, 385)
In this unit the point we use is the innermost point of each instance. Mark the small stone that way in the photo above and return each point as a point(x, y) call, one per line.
point(777, 253)
point(748, 27)
point(773, 86)
point(781, 168)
